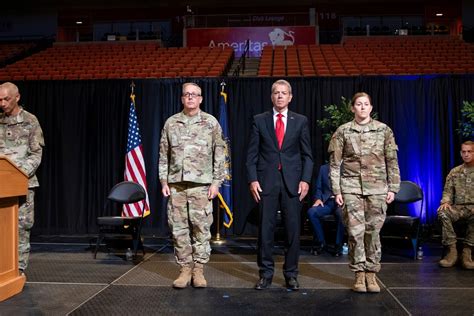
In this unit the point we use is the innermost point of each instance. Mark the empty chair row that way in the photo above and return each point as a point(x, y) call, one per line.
point(113, 64)
point(113, 75)
point(347, 60)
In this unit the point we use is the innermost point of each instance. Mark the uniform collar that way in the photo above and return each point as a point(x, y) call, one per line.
point(189, 119)
point(466, 168)
point(14, 119)
point(361, 128)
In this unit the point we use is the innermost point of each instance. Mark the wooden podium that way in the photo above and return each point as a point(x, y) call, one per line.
point(13, 183)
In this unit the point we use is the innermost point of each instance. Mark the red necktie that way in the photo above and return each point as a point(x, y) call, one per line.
point(279, 130)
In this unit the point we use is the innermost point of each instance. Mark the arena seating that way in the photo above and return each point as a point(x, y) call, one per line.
point(388, 55)
point(356, 56)
point(11, 50)
point(70, 61)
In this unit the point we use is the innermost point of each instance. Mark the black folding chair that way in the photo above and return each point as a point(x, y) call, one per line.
point(114, 227)
point(399, 224)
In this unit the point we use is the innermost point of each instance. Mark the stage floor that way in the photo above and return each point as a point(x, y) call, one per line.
point(64, 279)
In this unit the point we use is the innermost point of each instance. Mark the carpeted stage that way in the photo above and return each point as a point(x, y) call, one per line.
point(64, 279)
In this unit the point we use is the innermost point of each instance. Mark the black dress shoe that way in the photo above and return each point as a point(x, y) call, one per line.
point(263, 284)
point(292, 284)
point(316, 251)
point(338, 251)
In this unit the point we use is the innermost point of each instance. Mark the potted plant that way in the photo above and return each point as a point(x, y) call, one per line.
point(466, 124)
point(337, 114)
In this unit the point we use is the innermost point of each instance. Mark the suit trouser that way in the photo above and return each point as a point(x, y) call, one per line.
point(315, 215)
point(272, 199)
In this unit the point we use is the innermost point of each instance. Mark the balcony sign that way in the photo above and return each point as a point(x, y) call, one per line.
point(259, 37)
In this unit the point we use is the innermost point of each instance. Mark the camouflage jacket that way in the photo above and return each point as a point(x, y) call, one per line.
point(459, 186)
point(363, 159)
point(21, 140)
point(192, 149)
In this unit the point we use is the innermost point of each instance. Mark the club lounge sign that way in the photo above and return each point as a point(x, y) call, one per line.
point(259, 37)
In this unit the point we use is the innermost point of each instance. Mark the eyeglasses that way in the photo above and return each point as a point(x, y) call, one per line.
point(191, 95)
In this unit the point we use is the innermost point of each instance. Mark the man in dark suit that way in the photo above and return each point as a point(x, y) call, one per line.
point(325, 204)
point(279, 170)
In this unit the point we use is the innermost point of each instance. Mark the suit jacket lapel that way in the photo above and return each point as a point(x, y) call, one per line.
point(290, 128)
point(271, 128)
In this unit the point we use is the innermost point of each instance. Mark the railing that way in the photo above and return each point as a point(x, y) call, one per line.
point(241, 65)
point(237, 20)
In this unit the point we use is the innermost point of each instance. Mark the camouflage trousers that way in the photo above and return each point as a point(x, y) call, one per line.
point(190, 219)
point(26, 218)
point(448, 217)
point(364, 216)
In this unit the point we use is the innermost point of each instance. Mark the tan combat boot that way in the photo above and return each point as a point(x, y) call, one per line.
point(359, 284)
point(467, 258)
point(451, 257)
point(198, 275)
point(372, 285)
point(184, 279)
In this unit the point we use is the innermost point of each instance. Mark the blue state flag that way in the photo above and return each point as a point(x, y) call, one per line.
point(225, 191)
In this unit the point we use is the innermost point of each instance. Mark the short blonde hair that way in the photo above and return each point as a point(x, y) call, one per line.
point(191, 84)
point(281, 82)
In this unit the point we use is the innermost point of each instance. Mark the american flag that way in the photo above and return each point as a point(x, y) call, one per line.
point(134, 163)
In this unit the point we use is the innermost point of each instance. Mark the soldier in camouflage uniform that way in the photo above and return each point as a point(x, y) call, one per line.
point(21, 140)
point(191, 170)
point(365, 177)
point(458, 203)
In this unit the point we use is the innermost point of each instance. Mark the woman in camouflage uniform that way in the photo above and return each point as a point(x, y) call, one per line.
point(365, 177)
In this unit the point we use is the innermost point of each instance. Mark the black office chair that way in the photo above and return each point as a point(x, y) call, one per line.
point(113, 227)
point(399, 224)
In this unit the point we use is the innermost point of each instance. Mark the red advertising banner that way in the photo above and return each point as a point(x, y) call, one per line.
point(236, 37)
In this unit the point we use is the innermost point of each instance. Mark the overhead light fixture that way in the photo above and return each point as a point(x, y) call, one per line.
point(439, 14)
point(78, 22)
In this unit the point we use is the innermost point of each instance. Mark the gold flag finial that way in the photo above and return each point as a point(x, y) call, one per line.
point(132, 94)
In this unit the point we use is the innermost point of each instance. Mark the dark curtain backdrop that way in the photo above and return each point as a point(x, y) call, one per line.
point(85, 129)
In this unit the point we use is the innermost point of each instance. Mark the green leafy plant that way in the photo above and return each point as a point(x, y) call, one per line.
point(337, 114)
point(466, 124)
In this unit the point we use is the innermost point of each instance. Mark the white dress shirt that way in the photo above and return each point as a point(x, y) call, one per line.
point(284, 117)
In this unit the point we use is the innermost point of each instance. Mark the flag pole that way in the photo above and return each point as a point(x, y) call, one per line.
point(217, 239)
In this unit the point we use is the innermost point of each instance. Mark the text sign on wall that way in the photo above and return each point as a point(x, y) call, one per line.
point(259, 37)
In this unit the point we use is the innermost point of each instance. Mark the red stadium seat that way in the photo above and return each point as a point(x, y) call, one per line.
point(73, 61)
